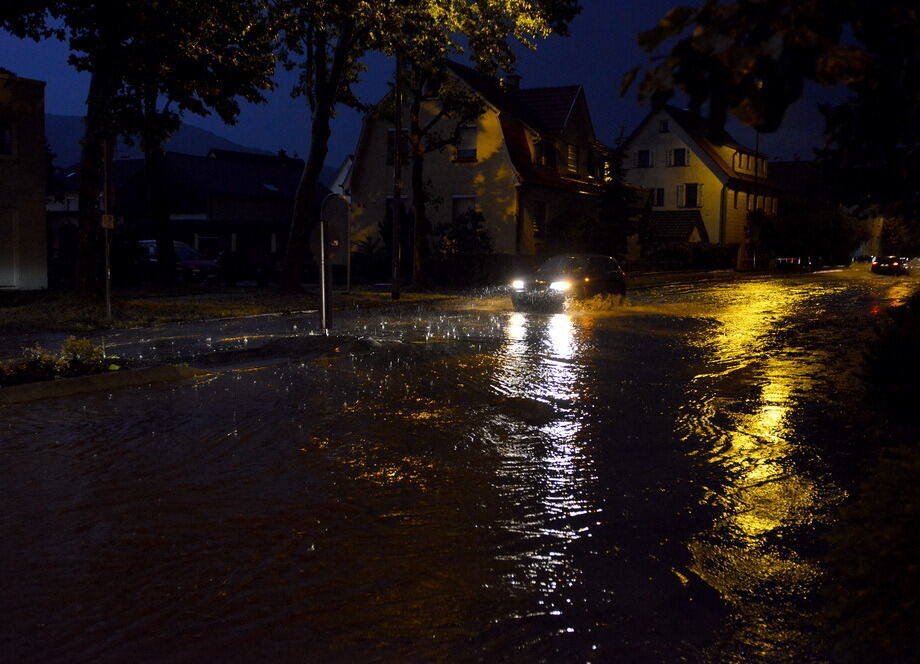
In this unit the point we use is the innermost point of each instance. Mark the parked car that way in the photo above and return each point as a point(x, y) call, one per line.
point(567, 277)
point(190, 265)
point(889, 265)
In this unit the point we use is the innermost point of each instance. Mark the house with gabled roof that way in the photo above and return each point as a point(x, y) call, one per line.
point(701, 182)
point(530, 160)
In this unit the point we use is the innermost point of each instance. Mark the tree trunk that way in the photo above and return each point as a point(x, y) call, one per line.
point(157, 203)
point(422, 225)
point(90, 258)
point(304, 216)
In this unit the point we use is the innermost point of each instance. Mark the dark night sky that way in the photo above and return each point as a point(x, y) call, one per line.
point(600, 49)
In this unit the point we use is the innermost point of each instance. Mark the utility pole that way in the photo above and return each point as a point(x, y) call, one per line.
point(397, 174)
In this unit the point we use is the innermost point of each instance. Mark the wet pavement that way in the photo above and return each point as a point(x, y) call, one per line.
point(624, 482)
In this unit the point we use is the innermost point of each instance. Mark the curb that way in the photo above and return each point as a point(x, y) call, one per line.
point(66, 387)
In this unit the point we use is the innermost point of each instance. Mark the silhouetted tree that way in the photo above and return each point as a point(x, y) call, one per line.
point(193, 54)
point(326, 39)
point(752, 58)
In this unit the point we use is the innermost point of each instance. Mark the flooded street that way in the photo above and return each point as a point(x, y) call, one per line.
point(636, 483)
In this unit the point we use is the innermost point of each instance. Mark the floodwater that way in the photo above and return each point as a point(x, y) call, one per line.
point(642, 482)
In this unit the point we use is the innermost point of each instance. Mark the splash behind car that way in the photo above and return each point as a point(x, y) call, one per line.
point(567, 277)
point(889, 265)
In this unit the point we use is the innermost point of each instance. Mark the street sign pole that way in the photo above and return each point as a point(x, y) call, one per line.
point(397, 176)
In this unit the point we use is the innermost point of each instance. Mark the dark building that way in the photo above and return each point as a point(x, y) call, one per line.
point(23, 255)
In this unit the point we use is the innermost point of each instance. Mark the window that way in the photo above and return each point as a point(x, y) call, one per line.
point(466, 143)
point(644, 159)
point(750, 202)
point(678, 157)
point(6, 138)
point(658, 197)
point(664, 127)
point(572, 159)
point(462, 204)
point(690, 195)
point(403, 146)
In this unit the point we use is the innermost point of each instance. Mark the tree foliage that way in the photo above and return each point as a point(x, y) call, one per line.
point(183, 55)
point(326, 39)
point(753, 58)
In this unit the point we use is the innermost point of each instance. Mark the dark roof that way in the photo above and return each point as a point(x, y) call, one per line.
point(193, 180)
point(254, 157)
point(676, 225)
point(545, 110)
point(519, 152)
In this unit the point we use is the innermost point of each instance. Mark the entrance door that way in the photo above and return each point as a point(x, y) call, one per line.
point(7, 248)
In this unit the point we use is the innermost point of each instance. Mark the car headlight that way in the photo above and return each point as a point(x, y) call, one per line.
point(560, 286)
point(517, 284)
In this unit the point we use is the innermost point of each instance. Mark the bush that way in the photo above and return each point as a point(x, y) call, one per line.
point(77, 357)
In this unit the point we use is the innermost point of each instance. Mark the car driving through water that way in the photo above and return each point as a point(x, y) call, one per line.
point(567, 277)
point(889, 265)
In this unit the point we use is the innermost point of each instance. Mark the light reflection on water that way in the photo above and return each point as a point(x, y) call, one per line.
point(744, 419)
point(539, 361)
point(489, 486)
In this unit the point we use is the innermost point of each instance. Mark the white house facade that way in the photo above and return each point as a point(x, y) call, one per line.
point(701, 184)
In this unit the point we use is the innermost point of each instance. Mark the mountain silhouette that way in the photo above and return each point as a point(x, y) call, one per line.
point(64, 133)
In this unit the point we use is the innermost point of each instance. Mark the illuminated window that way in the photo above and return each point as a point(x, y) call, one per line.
point(466, 143)
point(572, 160)
point(6, 138)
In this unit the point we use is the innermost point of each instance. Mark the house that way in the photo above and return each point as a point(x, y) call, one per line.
point(701, 182)
point(530, 161)
point(23, 255)
point(227, 202)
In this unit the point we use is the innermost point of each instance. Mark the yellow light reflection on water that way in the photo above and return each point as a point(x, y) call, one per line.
point(755, 442)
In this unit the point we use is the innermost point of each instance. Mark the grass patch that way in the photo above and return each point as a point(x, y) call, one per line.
point(44, 311)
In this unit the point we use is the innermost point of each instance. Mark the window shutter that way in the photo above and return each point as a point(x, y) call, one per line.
point(669, 157)
point(681, 195)
point(651, 158)
point(699, 195)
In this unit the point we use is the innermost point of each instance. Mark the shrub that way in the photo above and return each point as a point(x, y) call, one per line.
point(77, 357)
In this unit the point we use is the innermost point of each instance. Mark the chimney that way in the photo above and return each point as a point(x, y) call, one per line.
point(512, 82)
